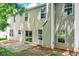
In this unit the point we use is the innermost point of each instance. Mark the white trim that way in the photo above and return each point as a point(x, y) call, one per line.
point(76, 26)
point(37, 6)
point(39, 14)
point(38, 36)
point(28, 17)
point(47, 9)
point(44, 11)
point(52, 26)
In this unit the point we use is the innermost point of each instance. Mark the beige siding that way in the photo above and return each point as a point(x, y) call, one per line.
point(68, 21)
point(55, 16)
point(36, 23)
point(47, 30)
point(16, 26)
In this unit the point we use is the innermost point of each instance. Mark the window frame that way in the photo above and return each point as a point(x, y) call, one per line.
point(11, 32)
point(26, 17)
point(43, 12)
point(19, 31)
point(61, 38)
point(67, 8)
point(28, 36)
point(40, 34)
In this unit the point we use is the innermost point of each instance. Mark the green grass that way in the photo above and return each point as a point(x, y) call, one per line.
point(55, 54)
point(6, 52)
point(3, 38)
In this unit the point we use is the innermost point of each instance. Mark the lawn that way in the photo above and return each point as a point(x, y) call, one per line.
point(55, 54)
point(3, 38)
point(6, 52)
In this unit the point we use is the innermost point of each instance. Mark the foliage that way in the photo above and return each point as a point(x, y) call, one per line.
point(7, 10)
point(3, 24)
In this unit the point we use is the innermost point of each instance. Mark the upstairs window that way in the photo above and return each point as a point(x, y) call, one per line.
point(43, 12)
point(26, 17)
point(68, 8)
point(11, 32)
point(40, 34)
point(19, 31)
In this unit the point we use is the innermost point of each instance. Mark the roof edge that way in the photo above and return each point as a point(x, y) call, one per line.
point(36, 6)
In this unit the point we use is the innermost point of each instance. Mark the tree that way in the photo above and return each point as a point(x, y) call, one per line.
point(9, 9)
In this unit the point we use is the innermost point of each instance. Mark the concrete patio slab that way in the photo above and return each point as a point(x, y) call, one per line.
point(16, 46)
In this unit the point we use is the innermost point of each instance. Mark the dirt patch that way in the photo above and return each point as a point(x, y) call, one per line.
point(36, 51)
point(42, 51)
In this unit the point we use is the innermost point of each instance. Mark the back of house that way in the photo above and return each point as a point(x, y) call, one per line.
point(50, 25)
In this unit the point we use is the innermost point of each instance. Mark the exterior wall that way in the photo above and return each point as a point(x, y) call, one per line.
point(10, 21)
point(36, 23)
point(58, 14)
point(17, 25)
point(55, 15)
point(46, 42)
point(68, 22)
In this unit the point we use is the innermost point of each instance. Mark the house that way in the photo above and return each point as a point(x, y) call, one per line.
point(52, 25)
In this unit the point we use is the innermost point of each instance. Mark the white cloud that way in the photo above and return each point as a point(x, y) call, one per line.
point(33, 5)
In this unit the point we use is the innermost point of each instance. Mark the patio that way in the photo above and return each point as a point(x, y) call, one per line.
point(29, 49)
point(15, 46)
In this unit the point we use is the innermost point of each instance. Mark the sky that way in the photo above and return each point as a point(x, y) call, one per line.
point(25, 4)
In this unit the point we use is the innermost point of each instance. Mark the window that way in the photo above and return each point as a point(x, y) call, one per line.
point(28, 35)
point(26, 17)
point(19, 31)
point(61, 36)
point(43, 12)
point(14, 19)
point(11, 32)
point(40, 34)
point(68, 8)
